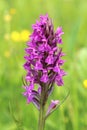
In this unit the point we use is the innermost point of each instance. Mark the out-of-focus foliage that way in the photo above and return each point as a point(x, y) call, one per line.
point(16, 18)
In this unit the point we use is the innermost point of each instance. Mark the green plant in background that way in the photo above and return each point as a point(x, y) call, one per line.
point(72, 16)
point(16, 115)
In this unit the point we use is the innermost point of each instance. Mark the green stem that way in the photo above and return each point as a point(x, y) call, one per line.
point(42, 111)
point(41, 119)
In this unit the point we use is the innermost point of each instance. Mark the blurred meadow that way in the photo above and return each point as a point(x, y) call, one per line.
point(16, 19)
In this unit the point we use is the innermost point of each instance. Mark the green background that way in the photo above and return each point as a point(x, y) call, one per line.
point(15, 113)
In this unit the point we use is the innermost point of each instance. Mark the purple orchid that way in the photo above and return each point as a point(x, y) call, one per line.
point(43, 63)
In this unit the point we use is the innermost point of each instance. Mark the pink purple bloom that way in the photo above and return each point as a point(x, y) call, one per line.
point(52, 106)
point(43, 59)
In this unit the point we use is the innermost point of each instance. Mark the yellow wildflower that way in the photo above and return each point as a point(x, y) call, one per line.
point(7, 54)
point(7, 36)
point(7, 18)
point(85, 83)
point(15, 36)
point(12, 11)
point(25, 35)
